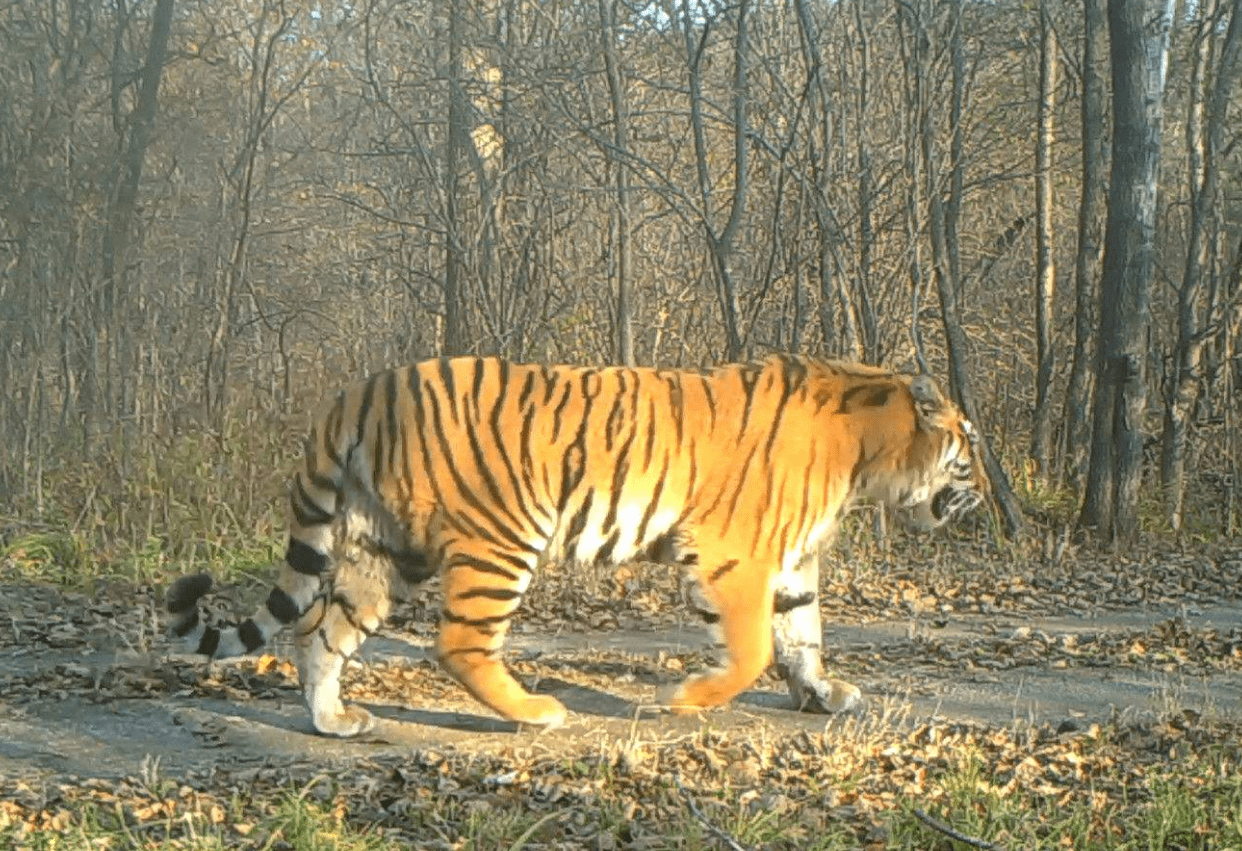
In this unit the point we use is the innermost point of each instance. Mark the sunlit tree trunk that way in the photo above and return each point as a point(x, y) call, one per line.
point(1139, 33)
point(1045, 268)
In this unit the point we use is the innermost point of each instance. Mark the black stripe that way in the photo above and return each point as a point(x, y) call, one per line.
point(250, 634)
point(464, 491)
point(737, 492)
point(605, 552)
point(305, 559)
point(486, 624)
point(578, 522)
point(549, 377)
point(330, 427)
point(528, 387)
point(450, 388)
point(723, 569)
point(769, 480)
point(476, 384)
point(186, 628)
point(482, 566)
point(872, 396)
point(364, 410)
point(322, 482)
point(710, 397)
point(465, 651)
point(489, 594)
point(323, 636)
point(612, 425)
point(420, 422)
point(390, 412)
point(787, 602)
point(774, 426)
point(513, 559)
point(305, 510)
point(653, 503)
point(749, 376)
point(351, 614)
point(281, 606)
point(676, 404)
point(649, 446)
point(484, 469)
point(209, 642)
point(559, 411)
point(573, 468)
point(620, 470)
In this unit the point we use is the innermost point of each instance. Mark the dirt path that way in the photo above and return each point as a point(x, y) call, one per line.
point(74, 700)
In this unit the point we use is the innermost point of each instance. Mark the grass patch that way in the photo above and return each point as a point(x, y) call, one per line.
point(1122, 789)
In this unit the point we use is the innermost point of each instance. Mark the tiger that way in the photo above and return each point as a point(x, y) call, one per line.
point(480, 470)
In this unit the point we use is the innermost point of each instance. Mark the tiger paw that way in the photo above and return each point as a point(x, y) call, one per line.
point(670, 697)
point(539, 710)
point(827, 696)
point(348, 721)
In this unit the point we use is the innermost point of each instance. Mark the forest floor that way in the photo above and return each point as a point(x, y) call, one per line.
point(1077, 679)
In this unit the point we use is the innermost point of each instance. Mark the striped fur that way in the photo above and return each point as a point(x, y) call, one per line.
point(480, 470)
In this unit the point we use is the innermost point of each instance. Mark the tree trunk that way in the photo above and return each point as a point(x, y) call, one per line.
point(1089, 250)
point(123, 209)
point(721, 245)
point(959, 376)
point(1205, 148)
point(623, 337)
point(454, 342)
point(1045, 269)
point(1139, 33)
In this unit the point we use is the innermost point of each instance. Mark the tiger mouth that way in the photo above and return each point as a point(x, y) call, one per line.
point(953, 502)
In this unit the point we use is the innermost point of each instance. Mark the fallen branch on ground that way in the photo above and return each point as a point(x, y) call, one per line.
point(698, 814)
point(936, 824)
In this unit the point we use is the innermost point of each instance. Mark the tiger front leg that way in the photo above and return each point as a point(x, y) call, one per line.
point(740, 594)
point(798, 644)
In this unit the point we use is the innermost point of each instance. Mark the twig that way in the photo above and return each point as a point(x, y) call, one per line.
point(698, 814)
point(936, 824)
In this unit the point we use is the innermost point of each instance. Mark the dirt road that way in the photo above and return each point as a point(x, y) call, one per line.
point(87, 687)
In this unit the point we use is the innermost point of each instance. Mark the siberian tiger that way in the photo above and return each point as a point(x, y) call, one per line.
point(480, 470)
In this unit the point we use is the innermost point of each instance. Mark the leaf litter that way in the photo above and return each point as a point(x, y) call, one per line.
point(622, 791)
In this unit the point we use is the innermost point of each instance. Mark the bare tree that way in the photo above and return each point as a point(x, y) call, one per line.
point(456, 140)
point(1077, 430)
point(623, 321)
point(720, 242)
point(135, 132)
point(1205, 149)
point(1045, 268)
point(943, 270)
point(1139, 33)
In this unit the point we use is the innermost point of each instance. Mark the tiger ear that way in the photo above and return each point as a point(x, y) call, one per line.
point(928, 400)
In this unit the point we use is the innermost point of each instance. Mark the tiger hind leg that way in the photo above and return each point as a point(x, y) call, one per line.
point(740, 593)
point(481, 593)
point(349, 609)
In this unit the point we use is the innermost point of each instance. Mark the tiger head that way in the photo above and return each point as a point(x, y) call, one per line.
point(943, 475)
